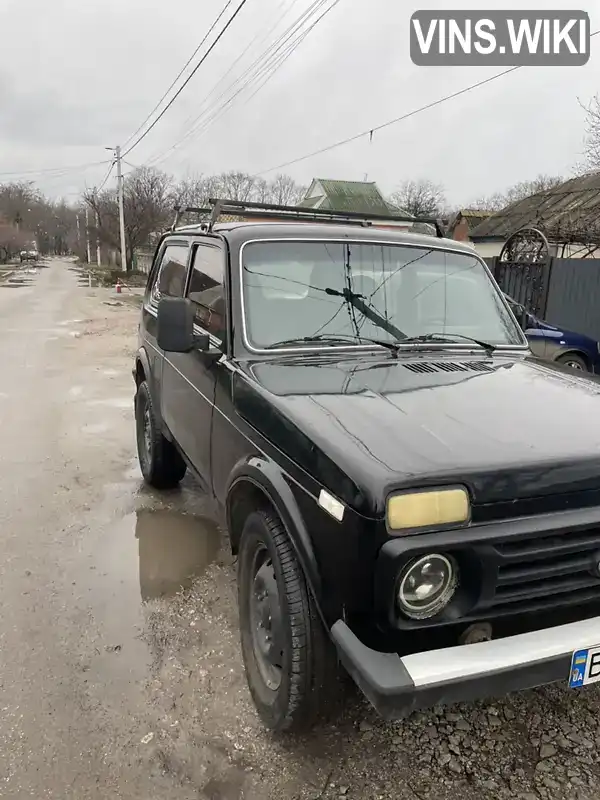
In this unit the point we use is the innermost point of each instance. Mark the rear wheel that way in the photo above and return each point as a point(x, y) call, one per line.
point(161, 464)
point(290, 663)
point(573, 361)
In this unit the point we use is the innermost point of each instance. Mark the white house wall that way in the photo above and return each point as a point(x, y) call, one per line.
point(488, 249)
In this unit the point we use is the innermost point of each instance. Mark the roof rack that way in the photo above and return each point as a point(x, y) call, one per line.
point(272, 211)
point(180, 211)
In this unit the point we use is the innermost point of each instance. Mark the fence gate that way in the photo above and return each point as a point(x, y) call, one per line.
point(523, 269)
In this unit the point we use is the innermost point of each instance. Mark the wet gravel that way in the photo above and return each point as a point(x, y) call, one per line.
point(121, 671)
point(536, 744)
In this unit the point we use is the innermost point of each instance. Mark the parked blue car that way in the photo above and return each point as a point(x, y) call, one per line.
point(574, 350)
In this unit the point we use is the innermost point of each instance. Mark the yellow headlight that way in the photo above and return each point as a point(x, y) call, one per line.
point(428, 509)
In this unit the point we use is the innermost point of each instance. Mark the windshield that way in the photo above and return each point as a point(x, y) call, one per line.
point(294, 290)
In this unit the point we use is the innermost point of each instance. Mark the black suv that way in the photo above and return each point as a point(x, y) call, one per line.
point(408, 491)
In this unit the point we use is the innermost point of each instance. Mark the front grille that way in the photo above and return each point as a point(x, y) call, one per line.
point(540, 572)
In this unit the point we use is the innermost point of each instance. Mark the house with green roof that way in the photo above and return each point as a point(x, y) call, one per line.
point(360, 196)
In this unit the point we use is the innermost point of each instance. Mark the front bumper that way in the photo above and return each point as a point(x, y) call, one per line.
point(396, 686)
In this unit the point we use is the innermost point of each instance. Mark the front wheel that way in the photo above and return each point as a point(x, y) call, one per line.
point(160, 462)
point(290, 664)
point(573, 361)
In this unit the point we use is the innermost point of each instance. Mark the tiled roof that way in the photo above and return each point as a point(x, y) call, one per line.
point(572, 206)
point(475, 216)
point(310, 202)
point(350, 196)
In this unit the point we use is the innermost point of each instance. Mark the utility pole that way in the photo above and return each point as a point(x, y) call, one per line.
point(78, 230)
point(87, 236)
point(121, 208)
point(98, 248)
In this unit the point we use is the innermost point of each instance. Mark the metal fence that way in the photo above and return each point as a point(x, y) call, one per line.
point(572, 296)
point(142, 259)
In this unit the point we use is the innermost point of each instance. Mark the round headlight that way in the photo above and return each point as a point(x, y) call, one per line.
point(427, 585)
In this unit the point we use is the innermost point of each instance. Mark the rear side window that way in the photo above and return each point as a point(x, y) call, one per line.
point(170, 279)
point(206, 289)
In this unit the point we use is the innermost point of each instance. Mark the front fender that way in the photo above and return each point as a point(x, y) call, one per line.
point(142, 365)
point(267, 476)
point(142, 360)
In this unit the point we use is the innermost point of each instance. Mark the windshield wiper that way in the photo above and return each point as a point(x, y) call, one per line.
point(447, 337)
point(357, 301)
point(330, 339)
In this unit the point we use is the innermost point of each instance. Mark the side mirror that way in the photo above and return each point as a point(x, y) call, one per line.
point(520, 313)
point(531, 322)
point(175, 328)
point(175, 325)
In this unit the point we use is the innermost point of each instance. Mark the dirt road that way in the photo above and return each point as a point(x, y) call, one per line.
point(120, 669)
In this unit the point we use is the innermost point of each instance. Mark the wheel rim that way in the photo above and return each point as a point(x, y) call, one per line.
point(147, 432)
point(144, 435)
point(265, 619)
point(575, 365)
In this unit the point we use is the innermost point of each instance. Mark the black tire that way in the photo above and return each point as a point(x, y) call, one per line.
point(310, 683)
point(573, 361)
point(160, 462)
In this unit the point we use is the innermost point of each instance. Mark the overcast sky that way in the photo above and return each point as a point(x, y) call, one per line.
point(78, 75)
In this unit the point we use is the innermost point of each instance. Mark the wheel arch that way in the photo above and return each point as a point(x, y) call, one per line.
point(574, 351)
point(142, 367)
point(259, 482)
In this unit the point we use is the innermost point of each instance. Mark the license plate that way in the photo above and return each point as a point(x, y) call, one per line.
point(585, 667)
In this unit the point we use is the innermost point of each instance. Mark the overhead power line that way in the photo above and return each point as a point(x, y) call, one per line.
point(283, 57)
point(191, 120)
point(262, 68)
point(59, 171)
point(369, 132)
point(187, 80)
point(180, 73)
point(274, 61)
point(107, 176)
point(376, 128)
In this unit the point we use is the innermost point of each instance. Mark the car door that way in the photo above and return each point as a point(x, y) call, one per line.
point(190, 378)
point(167, 279)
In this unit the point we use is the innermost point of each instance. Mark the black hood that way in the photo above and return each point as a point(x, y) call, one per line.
point(507, 427)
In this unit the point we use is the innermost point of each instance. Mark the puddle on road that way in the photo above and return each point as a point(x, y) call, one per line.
point(15, 283)
point(173, 549)
point(166, 549)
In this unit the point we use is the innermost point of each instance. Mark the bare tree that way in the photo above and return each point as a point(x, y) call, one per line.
point(591, 151)
point(195, 190)
point(519, 191)
point(262, 191)
point(148, 195)
point(422, 198)
point(50, 225)
point(236, 185)
point(283, 190)
point(12, 241)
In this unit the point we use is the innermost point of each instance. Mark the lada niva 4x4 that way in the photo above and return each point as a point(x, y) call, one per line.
point(413, 497)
